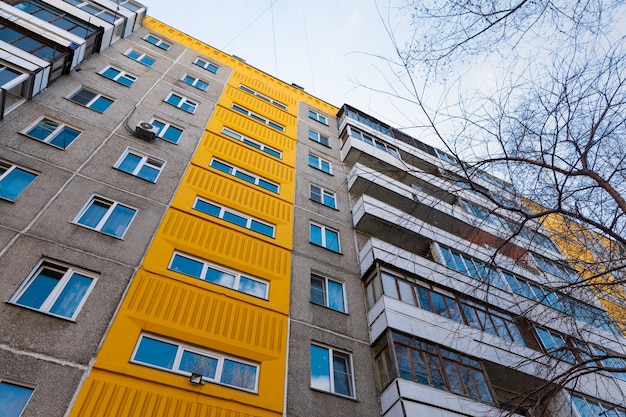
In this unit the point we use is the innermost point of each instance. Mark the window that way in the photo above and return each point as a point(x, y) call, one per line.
point(167, 131)
point(185, 359)
point(94, 101)
point(181, 102)
point(234, 217)
point(244, 175)
point(327, 293)
point(157, 42)
point(139, 57)
point(322, 196)
point(13, 180)
point(555, 268)
point(207, 271)
point(251, 142)
point(13, 398)
point(263, 97)
point(118, 76)
point(52, 132)
point(324, 237)
point(319, 138)
point(318, 117)
point(106, 216)
point(94, 10)
point(140, 165)
point(56, 289)
point(321, 164)
point(195, 82)
point(258, 117)
point(206, 65)
point(377, 143)
point(331, 371)
point(591, 408)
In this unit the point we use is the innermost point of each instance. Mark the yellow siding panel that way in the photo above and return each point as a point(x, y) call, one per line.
point(259, 106)
point(266, 85)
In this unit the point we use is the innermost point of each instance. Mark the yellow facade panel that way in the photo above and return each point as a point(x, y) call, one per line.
point(267, 85)
point(237, 95)
point(225, 117)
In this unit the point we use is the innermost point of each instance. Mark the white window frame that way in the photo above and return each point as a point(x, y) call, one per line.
point(140, 57)
point(146, 160)
point(331, 358)
point(319, 138)
point(318, 117)
point(195, 82)
point(206, 265)
point(183, 100)
point(68, 272)
point(206, 65)
point(48, 139)
point(107, 215)
point(263, 97)
point(166, 126)
point(21, 385)
point(227, 210)
point(159, 43)
point(92, 101)
point(323, 192)
point(252, 143)
point(255, 116)
point(235, 169)
point(327, 293)
point(324, 243)
point(121, 75)
point(9, 168)
point(320, 164)
point(201, 351)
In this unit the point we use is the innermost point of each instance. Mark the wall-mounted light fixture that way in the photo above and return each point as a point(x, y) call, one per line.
point(196, 379)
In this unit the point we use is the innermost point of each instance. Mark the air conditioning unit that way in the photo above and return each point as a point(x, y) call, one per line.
point(146, 131)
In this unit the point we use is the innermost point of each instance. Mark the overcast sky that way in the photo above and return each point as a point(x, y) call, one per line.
point(326, 46)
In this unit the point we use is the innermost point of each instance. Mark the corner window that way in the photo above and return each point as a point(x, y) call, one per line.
point(206, 65)
point(319, 138)
point(55, 289)
point(157, 42)
point(140, 165)
point(234, 217)
point(251, 142)
point(318, 117)
point(244, 175)
point(13, 180)
point(321, 164)
point(322, 196)
point(324, 237)
point(327, 293)
point(52, 132)
point(167, 131)
point(331, 371)
point(139, 57)
point(106, 216)
point(185, 359)
point(118, 76)
point(195, 82)
point(91, 99)
point(216, 274)
point(181, 102)
point(14, 398)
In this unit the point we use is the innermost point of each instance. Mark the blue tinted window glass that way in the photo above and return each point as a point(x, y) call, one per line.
point(101, 104)
point(335, 296)
point(220, 277)
point(208, 208)
point(148, 173)
point(199, 364)
point(118, 221)
point(47, 53)
point(40, 288)
point(252, 287)
point(320, 368)
point(272, 152)
point(110, 73)
point(268, 186)
point(316, 234)
point(318, 290)
point(8, 34)
point(245, 177)
point(129, 163)
point(221, 166)
point(262, 228)
point(126, 80)
point(332, 240)
point(172, 134)
point(147, 61)
point(188, 106)
point(235, 219)
point(65, 137)
point(71, 296)
point(15, 182)
point(13, 399)
point(341, 374)
point(83, 97)
point(156, 352)
point(187, 266)
point(239, 374)
point(174, 99)
point(94, 213)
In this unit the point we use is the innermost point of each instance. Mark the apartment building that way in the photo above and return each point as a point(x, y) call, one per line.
point(188, 235)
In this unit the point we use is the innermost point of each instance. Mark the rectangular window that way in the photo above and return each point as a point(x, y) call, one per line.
point(157, 42)
point(234, 217)
point(140, 165)
point(327, 293)
point(13, 180)
point(118, 76)
point(245, 175)
point(195, 82)
point(251, 142)
point(555, 345)
point(322, 196)
point(139, 57)
point(318, 117)
point(591, 408)
point(324, 237)
point(106, 216)
point(14, 398)
point(167, 131)
point(206, 65)
point(181, 102)
point(263, 97)
point(91, 99)
point(185, 359)
point(319, 138)
point(321, 164)
point(258, 117)
point(555, 268)
point(331, 371)
point(52, 132)
point(377, 143)
point(56, 289)
point(94, 10)
point(207, 271)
